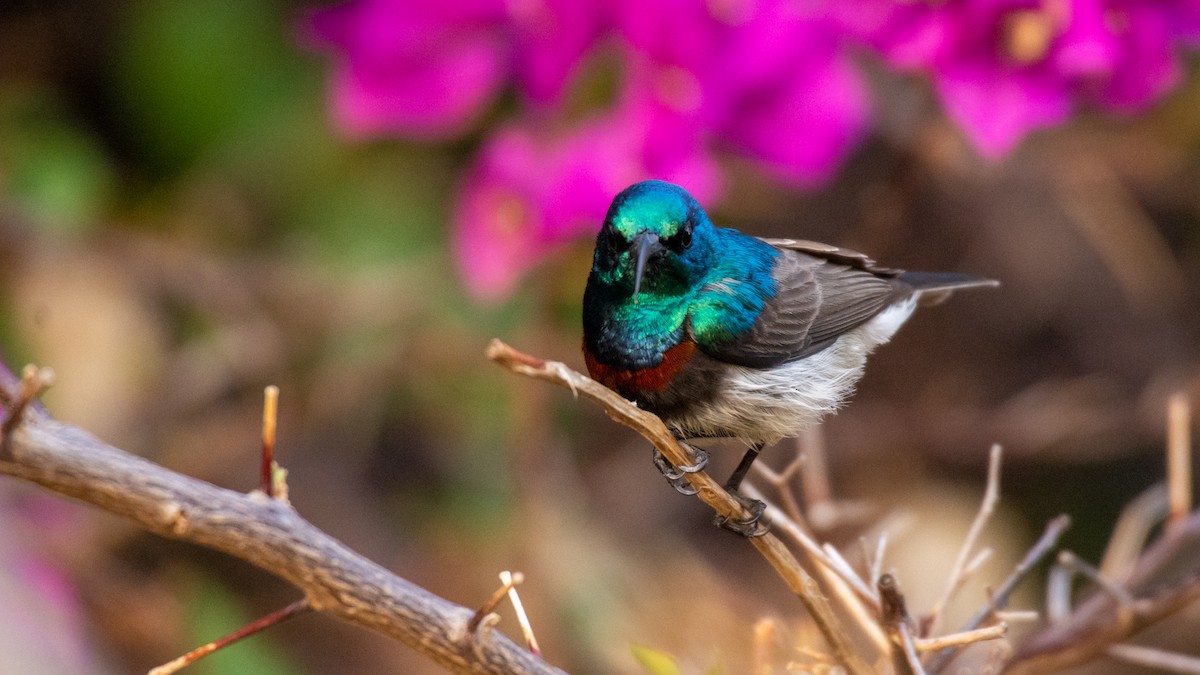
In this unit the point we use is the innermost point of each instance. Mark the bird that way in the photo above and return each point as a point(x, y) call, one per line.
point(727, 335)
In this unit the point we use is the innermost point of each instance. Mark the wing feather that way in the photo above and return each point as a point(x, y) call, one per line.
point(821, 292)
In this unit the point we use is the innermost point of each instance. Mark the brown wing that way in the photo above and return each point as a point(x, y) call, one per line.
point(821, 292)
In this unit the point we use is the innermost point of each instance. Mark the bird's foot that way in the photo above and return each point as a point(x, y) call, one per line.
point(677, 475)
point(750, 526)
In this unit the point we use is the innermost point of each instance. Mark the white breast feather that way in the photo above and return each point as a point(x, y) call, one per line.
point(770, 404)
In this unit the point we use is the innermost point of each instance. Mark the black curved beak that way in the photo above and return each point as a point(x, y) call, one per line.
point(645, 244)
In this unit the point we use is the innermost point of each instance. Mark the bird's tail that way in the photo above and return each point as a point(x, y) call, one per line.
point(934, 287)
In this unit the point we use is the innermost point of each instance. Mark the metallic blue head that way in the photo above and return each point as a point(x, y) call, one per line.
point(655, 235)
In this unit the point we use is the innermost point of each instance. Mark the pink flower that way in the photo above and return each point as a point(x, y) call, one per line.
point(430, 69)
point(768, 80)
point(530, 192)
point(1003, 68)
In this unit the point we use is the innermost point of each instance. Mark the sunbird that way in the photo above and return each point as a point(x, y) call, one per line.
point(727, 335)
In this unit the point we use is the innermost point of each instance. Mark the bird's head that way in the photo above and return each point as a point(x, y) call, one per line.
point(655, 239)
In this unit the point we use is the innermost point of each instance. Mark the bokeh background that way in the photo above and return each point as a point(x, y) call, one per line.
point(202, 197)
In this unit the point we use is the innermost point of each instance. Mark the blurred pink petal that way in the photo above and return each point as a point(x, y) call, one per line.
point(430, 70)
point(1003, 68)
point(525, 196)
point(767, 79)
point(531, 191)
point(996, 108)
point(552, 37)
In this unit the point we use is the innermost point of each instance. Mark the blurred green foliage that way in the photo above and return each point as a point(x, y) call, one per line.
point(212, 612)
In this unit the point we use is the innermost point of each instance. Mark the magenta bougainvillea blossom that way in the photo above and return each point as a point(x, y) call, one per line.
point(1003, 68)
point(531, 191)
point(428, 70)
point(770, 80)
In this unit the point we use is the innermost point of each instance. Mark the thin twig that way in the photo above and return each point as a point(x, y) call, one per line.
point(999, 598)
point(908, 644)
point(1155, 658)
point(707, 489)
point(781, 479)
point(270, 410)
point(1137, 520)
point(1179, 457)
point(804, 540)
point(1100, 621)
point(295, 609)
point(1058, 594)
point(511, 580)
point(963, 638)
point(1017, 615)
point(954, 582)
point(877, 562)
point(845, 585)
point(1079, 566)
point(506, 584)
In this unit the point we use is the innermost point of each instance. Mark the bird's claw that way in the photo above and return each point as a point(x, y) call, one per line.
point(677, 475)
point(750, 526)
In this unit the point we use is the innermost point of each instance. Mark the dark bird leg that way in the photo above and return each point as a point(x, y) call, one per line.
point(676, 475)
point(750, 526)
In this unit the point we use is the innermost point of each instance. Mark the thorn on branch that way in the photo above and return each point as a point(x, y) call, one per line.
point(34, 381)
point(506, 583)
point(270, 471)
point(485, 616)
point(274, 618)
point(1179, 457)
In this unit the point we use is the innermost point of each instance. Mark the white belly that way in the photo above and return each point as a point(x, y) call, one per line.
point(770, 404)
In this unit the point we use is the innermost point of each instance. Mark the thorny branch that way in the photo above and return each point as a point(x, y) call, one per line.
point(265, 532)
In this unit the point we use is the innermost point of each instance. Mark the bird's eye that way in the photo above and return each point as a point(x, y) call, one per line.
point(615, 241)
point(680, 240)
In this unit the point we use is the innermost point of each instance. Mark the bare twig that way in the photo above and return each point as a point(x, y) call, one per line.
point(963, 638)
point(297, 608)
point(1102, 621)
point(998, 599)
point(1155, 658)
point(781, 479)
point(1137, 520)
point(1079, 566)
point(270, 410)
point(909, 646)
point(506, 584)
point(958, 573)
point(707, 489)
point(511, 580)
point(1179, 457)
point(1045, 543)
point(842, 581)
point(1017, 615)
point(265, 532)
point(876, 565)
